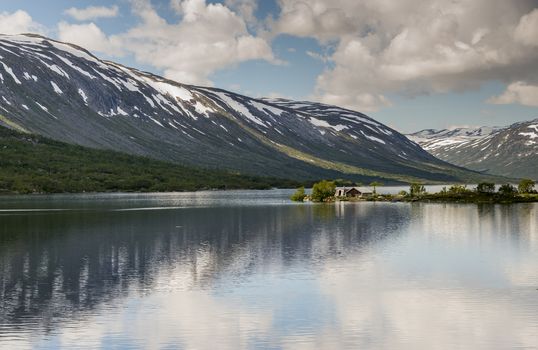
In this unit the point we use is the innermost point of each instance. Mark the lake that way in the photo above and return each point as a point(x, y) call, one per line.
point(250, 269)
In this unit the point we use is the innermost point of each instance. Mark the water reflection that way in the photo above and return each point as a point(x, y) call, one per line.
point(275, 276)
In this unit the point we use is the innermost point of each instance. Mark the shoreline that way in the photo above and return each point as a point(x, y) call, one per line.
point(435, 198)
point(14, 194)
point(483, 193)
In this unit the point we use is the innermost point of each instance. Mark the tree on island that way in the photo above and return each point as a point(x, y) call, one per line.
point(526, 186)
point(374, 185)
point(458, 190)
point(507, 190)
point(323, 190)
point(417, 189)
point(299, 195)
point(485, 187)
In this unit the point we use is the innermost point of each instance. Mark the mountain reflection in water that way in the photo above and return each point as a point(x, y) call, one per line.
point(275, 276)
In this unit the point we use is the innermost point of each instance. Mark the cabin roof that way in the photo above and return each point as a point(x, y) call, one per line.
point(347, 188)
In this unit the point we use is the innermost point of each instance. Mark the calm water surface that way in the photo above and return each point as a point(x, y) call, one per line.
point(249, 269)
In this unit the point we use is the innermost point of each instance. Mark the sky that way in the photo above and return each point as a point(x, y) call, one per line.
point(411, 64)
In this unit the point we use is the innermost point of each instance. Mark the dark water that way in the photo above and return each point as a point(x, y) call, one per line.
point(249, 269)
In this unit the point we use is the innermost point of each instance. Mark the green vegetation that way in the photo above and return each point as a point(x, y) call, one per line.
point(346, 183)
point(485, 187)
point(416, 189)
point(526, 186)
point(34, 164)
point(507, 190)
point(456, 190)
point(323, 191)
point(374, 185)
point(299, 195)
point(483, 193)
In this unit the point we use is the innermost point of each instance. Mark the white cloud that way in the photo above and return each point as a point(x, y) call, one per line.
point(208, 38)
point(518, 92)
point(527, 30)
point(365, 102)
point(90, 37)
point(246, 8)
point(92, 12)
point(19, 22)
point(275, 94)
point(321, 19)
point(317, 56)
point(413, 47)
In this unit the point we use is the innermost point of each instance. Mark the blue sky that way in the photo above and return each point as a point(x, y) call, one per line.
point(411, 66)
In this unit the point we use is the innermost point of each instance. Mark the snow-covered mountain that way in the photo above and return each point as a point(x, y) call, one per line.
point(62, 91)
point(509, 151)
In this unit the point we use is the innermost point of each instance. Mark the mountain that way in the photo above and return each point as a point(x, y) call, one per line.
point(32, 163)
point(454, 134)
point(509, 151)
point(63, 92)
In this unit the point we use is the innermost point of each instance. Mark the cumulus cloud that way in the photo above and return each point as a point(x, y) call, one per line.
point(413, 47)
point(246, 9)
point(205, 38)
point(19, 22)
point(527, 29)
point(518, 92)
point(92, 12)
point(323, 20)
point(208, 37)
point(91, 37)
point(372, 49)
point(317, 56)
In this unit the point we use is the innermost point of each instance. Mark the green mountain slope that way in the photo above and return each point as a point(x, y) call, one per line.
point(34, 164)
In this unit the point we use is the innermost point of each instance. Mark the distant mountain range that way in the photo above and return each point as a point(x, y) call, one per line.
point(61, 91)
point(508, 151)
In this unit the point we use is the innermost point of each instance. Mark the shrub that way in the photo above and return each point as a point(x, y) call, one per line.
point(323, 190)
point(485, 187)
point(417, 189)
point(458, 189)
point(507, 190)
point(526, 186)
point(299, 195)
point(374, 185)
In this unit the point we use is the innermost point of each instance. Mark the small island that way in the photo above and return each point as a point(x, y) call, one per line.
point(486, 192)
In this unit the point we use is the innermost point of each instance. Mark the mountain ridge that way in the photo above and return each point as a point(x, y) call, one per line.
point(510, 151)
point(64, 92)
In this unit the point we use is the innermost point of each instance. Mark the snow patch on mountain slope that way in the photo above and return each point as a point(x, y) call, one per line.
point(325, 124)
point(373, 138)
point(262, 107)
point(75, 67)
point(169, 89)
point(56, 88)
point(531, 135)
point(240, 108)
point(83, 95)
point(56, 69)
point(10, 72)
